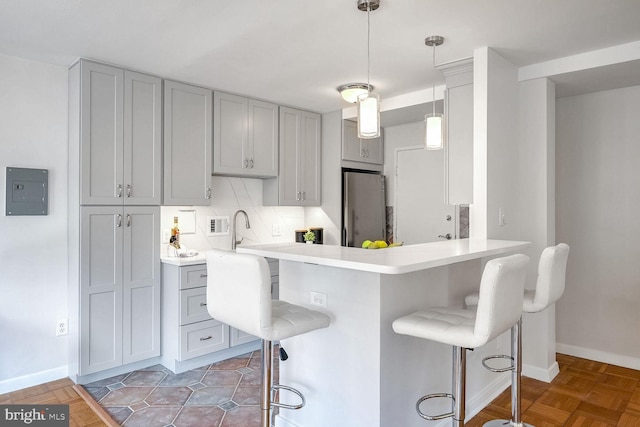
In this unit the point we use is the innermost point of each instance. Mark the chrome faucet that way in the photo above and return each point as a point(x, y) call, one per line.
point(233, 227)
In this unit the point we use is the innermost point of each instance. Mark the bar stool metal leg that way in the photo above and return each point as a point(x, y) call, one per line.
point(459, 384)
point(516, 377)
point(267, 369)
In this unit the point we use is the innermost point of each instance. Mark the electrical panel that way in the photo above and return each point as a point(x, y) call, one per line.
point(27, 191)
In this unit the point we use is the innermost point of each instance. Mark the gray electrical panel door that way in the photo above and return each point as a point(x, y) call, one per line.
point(27, 191)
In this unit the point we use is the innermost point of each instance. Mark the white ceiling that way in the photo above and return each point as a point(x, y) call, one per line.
point(296, 52)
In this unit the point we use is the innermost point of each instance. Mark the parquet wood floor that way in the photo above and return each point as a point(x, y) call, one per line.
point(57, 392)
point(584, 394)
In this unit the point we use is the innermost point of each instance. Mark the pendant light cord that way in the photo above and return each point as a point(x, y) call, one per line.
point(434, 85)
point(368, 45)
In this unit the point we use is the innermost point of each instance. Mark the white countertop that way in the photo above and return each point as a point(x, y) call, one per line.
point(200, 258)
point(395, 260)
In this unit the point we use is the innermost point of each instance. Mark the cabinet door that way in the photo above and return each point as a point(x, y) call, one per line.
point(141, 283)
point(101, 175)
point(289, 187)
point(262, 139)
point(360, 150)
point(299, 179)
point(230, 154)
point(309, 162)
point(187, 144)
point(101, 236)
point(142, 139)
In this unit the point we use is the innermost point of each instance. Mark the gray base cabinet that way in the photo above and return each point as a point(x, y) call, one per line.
point(120, 286)
point(188, 331)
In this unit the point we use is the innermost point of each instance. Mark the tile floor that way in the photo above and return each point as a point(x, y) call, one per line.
point(223, 394)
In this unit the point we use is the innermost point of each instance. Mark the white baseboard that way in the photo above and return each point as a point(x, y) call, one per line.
point(546, 375)
point(599, 356)
point(37, 378)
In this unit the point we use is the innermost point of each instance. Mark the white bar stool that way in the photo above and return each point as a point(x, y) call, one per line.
point(499, 308)
point(239, 294)
point(549, 288)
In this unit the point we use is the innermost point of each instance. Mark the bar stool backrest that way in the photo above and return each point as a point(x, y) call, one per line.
point(239, 290)
point(501, 295)
point(550, 285)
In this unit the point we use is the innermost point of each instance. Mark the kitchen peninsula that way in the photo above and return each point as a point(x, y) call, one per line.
point(358, 372)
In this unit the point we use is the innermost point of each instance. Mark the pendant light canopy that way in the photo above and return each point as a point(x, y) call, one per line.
point(368, 103)
point(434, 123)
point(350, 91)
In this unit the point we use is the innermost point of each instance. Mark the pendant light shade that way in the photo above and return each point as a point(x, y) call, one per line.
point(434, 123)
point(434, 131)
point(368, 103)
point(368, 115)
point(351, 91)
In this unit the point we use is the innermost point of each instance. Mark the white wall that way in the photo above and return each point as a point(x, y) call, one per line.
point(597, 206)
point(33, 256)
point(229, 195)
point(536, 187)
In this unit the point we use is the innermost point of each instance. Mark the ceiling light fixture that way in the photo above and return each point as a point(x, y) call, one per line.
point(369, 102)
point(434, 126)
point(350, 91)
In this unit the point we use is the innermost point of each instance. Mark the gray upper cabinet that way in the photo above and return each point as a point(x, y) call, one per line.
point(360, 150)
point(245, 136)
point(142, 139)
point(187, 144)
point(298, 183)
point(120, 136)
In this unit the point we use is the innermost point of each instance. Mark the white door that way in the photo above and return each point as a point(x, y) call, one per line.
point(420, 214)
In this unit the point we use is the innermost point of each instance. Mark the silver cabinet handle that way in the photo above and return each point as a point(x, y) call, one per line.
point(245, 164)
point(304, 195)
point(208, 194)
point(203, 304)
point(447, 236)
point(128, 220)
point(128, 190)
point(118, 220)
point(206, 338)
point(202, 276)
point(119, 190)
point(250, 163)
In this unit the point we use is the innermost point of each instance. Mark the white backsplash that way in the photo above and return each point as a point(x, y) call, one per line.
point(229, 195)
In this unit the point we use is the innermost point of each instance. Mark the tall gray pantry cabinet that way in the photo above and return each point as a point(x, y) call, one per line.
point(115, 151)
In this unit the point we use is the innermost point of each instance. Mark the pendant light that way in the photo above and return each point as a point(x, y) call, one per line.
point(434, 123)
point(369, 102)
point(350, 91)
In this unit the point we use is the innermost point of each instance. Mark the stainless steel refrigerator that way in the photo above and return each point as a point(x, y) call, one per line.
point(363, 208)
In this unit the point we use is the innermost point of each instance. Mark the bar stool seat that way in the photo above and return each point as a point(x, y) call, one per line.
point(550, 286)
point(239, 294)
point(499, 308)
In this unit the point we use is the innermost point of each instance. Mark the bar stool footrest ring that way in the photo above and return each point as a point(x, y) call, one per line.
point(505, 423)
point(276, 387)
point(433, 396)
point(498, 356)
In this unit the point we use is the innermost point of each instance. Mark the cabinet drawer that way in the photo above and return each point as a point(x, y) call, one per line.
point(193, 305)
point(202, 338)
point(192, 276)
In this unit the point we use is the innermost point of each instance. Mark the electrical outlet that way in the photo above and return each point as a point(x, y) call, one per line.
point(61, 327)
point(319, 299)
point(166, 235)
point(275, 230)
